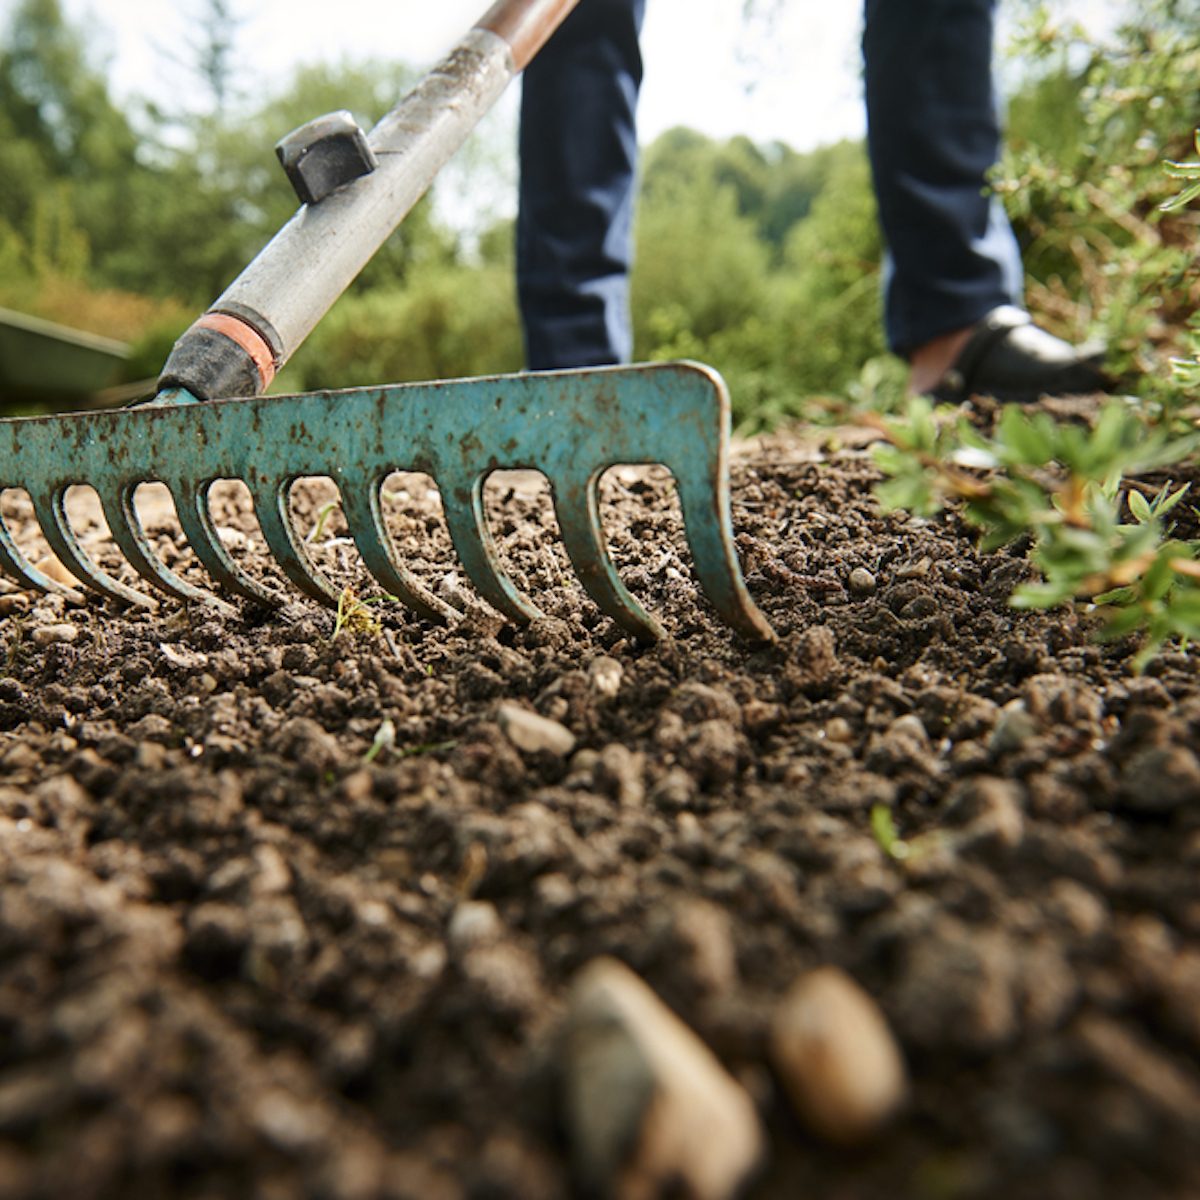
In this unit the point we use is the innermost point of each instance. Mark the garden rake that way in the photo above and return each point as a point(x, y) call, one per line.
point(210, 421)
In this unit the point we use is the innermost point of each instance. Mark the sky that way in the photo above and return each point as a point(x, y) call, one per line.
point(790, 73)
point(795, 80)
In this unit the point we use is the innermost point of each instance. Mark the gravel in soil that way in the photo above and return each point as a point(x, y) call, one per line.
point(293, 905)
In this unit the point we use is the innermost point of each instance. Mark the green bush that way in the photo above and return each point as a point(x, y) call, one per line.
point(446, 323)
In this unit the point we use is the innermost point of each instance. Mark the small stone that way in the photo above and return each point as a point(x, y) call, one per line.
point(604, 675)
point(472, 924)
point(1013, 728)
point(181, 656)
point(649, 1107)
point(286, 1122)
point(274, 876)
point(837, 1058)
point(861, 582)
point(53, 569)
point(915, 570)
point(703, 945)
point(13, 602)
point(909, 726)
point(55, 635)
point(619, 772)
point(838, 729)
point(534, 734)
point(815, 668)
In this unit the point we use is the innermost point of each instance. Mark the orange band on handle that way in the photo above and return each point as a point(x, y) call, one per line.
point(245, 336)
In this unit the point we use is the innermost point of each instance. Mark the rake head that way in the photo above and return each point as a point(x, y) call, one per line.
point(571, 426)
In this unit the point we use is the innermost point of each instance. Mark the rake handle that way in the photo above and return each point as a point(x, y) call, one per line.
point(261, 319)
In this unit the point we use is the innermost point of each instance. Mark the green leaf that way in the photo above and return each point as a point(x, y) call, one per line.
point(1041, 595)
point(1159, 577)
point(1183, 612)
point(1023, 441)
point(1139, 507)
point(1167, 500)
point(1119, 596)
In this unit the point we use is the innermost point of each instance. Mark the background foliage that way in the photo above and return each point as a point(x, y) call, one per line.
point(127, 220)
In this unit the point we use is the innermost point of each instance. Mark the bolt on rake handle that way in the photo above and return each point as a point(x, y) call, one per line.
point(261, 319)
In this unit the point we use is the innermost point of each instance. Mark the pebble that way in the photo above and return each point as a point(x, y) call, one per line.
point(836, 1057)
point(1013, 728)
point(704, 943)
point(55, 635)
point(604, 675)
point(13, 602)
point(915, 570)
point(534, 734)
point(620, 772)
point(179, 655)
point(650, 1110)
point(53, 569)
point(473, 923)
point(838, 729)
point(861, 582)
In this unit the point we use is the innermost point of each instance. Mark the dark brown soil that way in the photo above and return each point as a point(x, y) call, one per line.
point(232, 847)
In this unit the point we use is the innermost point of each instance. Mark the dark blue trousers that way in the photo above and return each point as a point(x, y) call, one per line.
point(578, 156)
point(933, 135)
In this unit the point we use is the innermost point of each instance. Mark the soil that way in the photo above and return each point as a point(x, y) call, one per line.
point(233, 846)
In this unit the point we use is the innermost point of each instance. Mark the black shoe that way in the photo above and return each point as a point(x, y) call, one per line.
point(1009, 357)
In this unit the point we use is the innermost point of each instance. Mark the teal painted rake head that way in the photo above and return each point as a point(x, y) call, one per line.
point(354, 190)
point(571, 426)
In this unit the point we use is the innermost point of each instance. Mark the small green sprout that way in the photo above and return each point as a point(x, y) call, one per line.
point(354, 615)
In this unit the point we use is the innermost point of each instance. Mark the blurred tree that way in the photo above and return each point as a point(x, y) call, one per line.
point(66, 150)
point(215, 51)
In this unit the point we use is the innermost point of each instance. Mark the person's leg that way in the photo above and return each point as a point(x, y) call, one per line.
point(933, 136)
point(578, 160)
point(954, 276)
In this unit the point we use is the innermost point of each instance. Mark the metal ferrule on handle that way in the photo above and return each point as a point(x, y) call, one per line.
point(267, 312)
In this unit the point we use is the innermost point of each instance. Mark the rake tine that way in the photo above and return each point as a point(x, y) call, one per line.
point(708, 524)
point(51, 513)
point(130, 536)
point(578, 508)
point(191, 506)
point(364, 516)
point(270, 503)
point(17, 566)
point(462, 503)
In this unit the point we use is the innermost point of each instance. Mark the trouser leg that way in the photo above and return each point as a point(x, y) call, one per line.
point(578, 156)
point(933, 136)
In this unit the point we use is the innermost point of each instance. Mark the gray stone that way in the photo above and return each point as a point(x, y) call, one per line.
point(649, 1108)
point(861, 582)
point(1013, 728)
point(534, 734)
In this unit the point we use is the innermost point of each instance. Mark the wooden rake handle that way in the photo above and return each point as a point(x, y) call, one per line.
point(526, 25)
point(260, 320)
